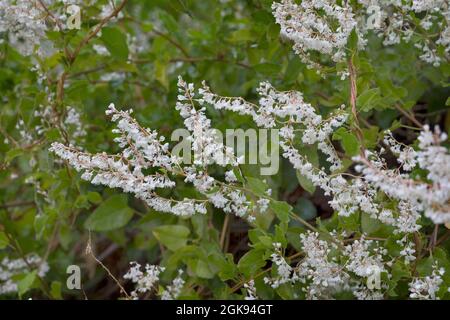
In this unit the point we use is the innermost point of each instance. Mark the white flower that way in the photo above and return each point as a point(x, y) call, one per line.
point(230, 176)
point(24, 23)
point(251, 290)
point(322, 26)
point(9, 268)
point(427, 287)
point(173, 290)
point(145, 281)
point(284, 270)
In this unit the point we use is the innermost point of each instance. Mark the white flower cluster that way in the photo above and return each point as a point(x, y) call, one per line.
point(206, 149)
point(329, 268)
point(325, 26)
point(406, 156)
point(422, 22)
point(288, 111)
point(143, 149)
point(361, 260)
point(251, 290)
point(284, 270)
point(322, 275)
point(107, 10)
point(73, 120)
point(144, 281)
point(316, 25)
point(25, 135)
point(413, 194)
point(289, 108)
point(11, 268)
point(427, 287)
point(49, 118)
point(23, 22)
point(173, 290)
point(113, 77)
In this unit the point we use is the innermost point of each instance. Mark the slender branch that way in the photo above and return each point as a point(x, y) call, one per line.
point(353, 96)
point(172, 41)
point(224, 231)
point(17, 204)
point(408, 115)
point(443, 238)
point(60, 87)
point(56, 19)
point(89, 252)
point(84, 72)
point(58, 23)
point(96, 30)
point(199, 59)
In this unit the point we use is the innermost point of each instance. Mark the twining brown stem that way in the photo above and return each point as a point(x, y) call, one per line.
point(433, 238)
point(224, 231)
point(84, 72)
point(172, 41)
point(60, 88)
point(443, 238)
point(217, 59)
point(408, 115)
point(96, 31)
point(90, 253)
point(17, 204)
point(50, 14)
point(353, 96)
point(58, 23)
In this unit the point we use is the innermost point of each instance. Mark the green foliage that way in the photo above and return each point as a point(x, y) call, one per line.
point(46, 208)
point(173, 237)
point(112, 214)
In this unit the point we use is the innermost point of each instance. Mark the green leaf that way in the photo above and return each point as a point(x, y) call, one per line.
point(281, 209)
point(173, 237)
point(268, 69)
point(112, 214)
point(352, 42)
point(370, 136)
point(350, 144)
point(305, 182)
point(55, 290)
point(77, 88)
point(40, 224)
point(26, 282)
point(348, 140)
point(368, 99)
point(13, 153)
point(241, 35)
point(3, 240)
point(222, 265)
point(202, 270)
point(161, 73)
point(147, 26)
point(94, 197)
point(116, 42)
point(257, 186)
point(251, 262)
point(369, 225)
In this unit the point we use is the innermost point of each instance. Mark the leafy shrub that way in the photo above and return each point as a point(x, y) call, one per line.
point(358, 208)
